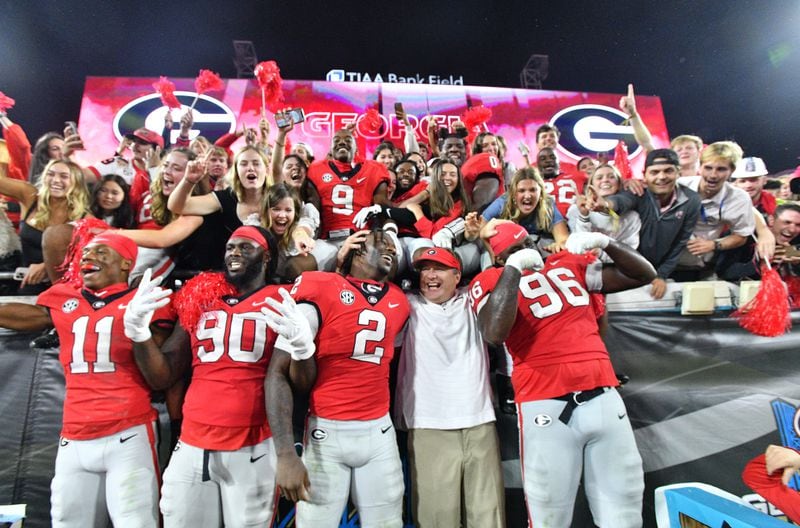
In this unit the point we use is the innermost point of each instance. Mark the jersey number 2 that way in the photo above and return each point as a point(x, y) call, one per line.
point(372, 334)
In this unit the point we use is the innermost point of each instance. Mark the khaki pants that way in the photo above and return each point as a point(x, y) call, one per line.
point(449, 465)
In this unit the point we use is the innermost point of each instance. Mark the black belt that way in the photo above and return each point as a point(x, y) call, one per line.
point(576, 399)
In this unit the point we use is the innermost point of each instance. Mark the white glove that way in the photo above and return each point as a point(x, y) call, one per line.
point(149, 297)
point(362, 217)
point(443, 238)
point(527, 258)
point(294, 332)
point(582, 242)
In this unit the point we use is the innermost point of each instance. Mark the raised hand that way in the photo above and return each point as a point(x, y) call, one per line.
point(149, 297)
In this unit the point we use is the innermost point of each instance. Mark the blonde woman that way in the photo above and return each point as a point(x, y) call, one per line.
point(61, 197)
point(527, 203)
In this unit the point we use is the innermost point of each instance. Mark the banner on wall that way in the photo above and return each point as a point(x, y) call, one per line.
point(590, 123)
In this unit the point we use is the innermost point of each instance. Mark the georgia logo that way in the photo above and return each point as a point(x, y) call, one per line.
point(327, 177)
point(542, 420)
point(319, 435)
point(69, 306)
point(587, 129)
point(347, 297)
point(212, 117)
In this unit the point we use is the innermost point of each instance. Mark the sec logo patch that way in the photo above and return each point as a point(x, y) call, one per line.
point(327, 177)
point(347, 297)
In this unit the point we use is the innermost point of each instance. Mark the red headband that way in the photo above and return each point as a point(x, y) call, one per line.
point(251, 233)
point(123, 245)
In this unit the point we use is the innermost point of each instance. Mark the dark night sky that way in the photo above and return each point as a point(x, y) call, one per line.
point(723, 69)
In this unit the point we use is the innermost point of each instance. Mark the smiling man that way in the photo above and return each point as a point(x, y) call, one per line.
point(226, 445)
point(563, 187)
point(723, 209)
point(668, 212)
point(106, 461)
point(444, 400)
point(337, 334)
point(343, 188)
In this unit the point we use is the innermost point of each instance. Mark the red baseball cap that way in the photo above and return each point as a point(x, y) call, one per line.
point(438, 255)
point(148, 136)
point(508, 233)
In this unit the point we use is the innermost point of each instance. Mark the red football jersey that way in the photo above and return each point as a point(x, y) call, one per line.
point(564, 188)
point(142, 213)
point(105, 391)
point(225, 406)
point(359, 320)
point(344, 191)
point(555, 341)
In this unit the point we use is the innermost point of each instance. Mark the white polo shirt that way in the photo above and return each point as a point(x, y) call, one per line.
point(443, 375)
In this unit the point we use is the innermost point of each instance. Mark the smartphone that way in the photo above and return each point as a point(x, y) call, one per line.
point(293, 115)
point(20, 273)
point(398, 107)
point(72, 126)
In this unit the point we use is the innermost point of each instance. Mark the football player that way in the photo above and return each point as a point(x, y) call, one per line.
point(337, 332)
point(106, 461)
point(571, 419)
point(223, 468)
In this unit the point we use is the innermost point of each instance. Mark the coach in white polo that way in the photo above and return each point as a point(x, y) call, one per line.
point(444, 400)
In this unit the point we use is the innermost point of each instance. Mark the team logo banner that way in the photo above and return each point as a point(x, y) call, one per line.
point(590, 123)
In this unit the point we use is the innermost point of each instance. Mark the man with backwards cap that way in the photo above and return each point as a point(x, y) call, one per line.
point(226, 447)
point(444, 400)
point(668, 210)
point(571, 418)
point(106, 462)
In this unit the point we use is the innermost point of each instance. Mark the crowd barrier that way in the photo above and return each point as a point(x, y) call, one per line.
point(704, 397)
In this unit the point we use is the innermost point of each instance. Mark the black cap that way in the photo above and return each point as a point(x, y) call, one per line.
point(794, 185)
point(668, 156)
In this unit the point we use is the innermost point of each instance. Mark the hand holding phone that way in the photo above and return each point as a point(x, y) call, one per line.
point(292, 115)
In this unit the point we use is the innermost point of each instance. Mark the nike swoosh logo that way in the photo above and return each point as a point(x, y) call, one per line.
point(383, 430)
point(123, 440)
point(123, 306)
point(361, 180)
point(516, 237)
point(64, 442)
point(394, 305)
point(260, 302)
point(621, 416)
point(256, 459)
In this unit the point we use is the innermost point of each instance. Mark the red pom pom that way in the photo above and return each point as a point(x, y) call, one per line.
point(287, 147)
point(201, 294)
point(208, 81)
point(372, 121)
point(269, 79)
point(767, 314)
point(621, 161)
point(474, 119)
point(793, 283)
point(83, 232)
point(166, 89)
point(6, 102)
